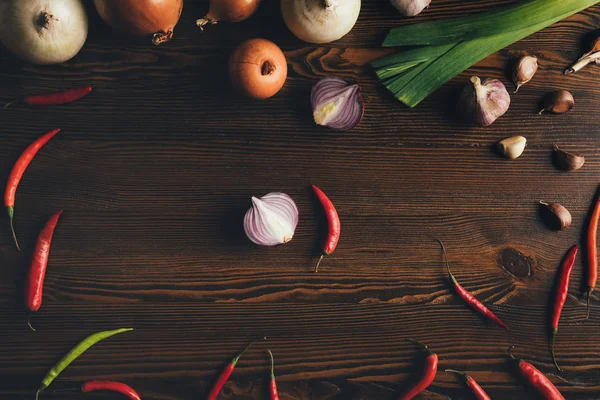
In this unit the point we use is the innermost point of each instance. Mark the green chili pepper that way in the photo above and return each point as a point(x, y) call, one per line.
point(73, 354)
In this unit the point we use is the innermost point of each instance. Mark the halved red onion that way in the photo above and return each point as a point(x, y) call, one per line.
point(272, 220)
point(336, 103)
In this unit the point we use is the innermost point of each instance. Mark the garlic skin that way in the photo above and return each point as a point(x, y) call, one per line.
point(512, 147)
point(320, 21)
point(484, 102)
point(524, 71)
point(272, 219)
point(568, 161)
point(410, 8)
point(557, 217)
point(559, 102)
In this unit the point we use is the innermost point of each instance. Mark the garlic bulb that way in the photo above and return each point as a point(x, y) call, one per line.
point(320, 21)
point(484, 102)
point(272, 220)
point(410, 8)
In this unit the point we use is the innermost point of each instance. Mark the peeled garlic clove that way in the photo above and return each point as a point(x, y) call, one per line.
point(272, 220)
point(556, 216)
point(525, 70)
point(558, 102)
point(512, 147)
point(484, 102)
point(568, 161)
point(410, 8)
point(336, 103)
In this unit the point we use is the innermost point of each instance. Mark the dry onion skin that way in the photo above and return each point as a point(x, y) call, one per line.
point(228, 11)
point(156, 18)
point(43, 31)
point(320, 21)
point(258, 68)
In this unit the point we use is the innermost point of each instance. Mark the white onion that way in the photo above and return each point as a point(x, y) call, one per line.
point(320, 21)
point(43, 31)
point(272, 220)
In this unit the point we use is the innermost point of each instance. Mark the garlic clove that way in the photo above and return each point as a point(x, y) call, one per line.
point(556, 216)
point(512, 147)
point(558, 102)
point(484, 102)
point(272, 219)
point(410, 8)
point(524, 71)
point(568, 161)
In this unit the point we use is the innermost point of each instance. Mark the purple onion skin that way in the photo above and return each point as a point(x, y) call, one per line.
point(329, 89)
point(484, 102)
point(272, 206)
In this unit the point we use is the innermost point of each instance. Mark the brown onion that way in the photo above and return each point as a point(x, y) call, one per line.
point(258, 68)
point(142, 17)
point(228, 11)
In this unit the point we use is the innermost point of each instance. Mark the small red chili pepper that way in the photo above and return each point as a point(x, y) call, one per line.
point(64, 97)
point(562, 290)
point(37, 272)
point(429, 372)
point(16, 174)
point(592, 252)
point(536, 379)
point(469, 298)
point(273, 384)
point(225, 374)
point(333, 221)
point(110, 386)
point(477, 390)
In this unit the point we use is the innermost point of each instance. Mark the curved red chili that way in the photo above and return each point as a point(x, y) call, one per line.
point(117, 387)
point(536, 379)
point(477, 390)
point(592, 252)
point(37, 271)
point(333, 221)
point(17, 173)
point(429, 372)
point(562, 290)
point(273, 384)
point(469, 298)
point(224, 376)
point(57, 98)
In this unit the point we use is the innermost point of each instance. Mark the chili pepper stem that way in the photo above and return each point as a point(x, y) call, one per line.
point(12, 102)
point(589, 294)
point(11, 215)
point(554, 332)
point(420, 344)
point(29, 321)
point(272, 365)
point(462, 374)
point(452, 278)
point(41, 389)
point(319, 263)
point(237, 358)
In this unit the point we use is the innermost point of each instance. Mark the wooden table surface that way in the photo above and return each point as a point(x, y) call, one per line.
point(155, 170)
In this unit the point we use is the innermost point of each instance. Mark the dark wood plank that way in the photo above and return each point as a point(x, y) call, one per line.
point(155, 170)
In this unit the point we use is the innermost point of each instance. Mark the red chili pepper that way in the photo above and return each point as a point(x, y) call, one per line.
point(477, 390)
point(273, 384)
point(37, 272)
point(333, 220)
point(429, 372)
point(469, 298)
point(16, 174)
point(64, 97)
point(592, 252)
point(562, 290)
point(110, 386)
point(536, 379)
point(224, 376)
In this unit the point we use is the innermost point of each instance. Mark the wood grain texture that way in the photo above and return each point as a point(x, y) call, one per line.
point(155, 170)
